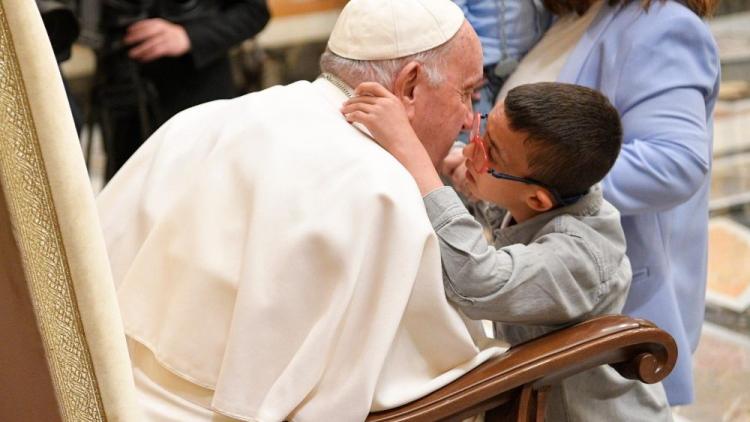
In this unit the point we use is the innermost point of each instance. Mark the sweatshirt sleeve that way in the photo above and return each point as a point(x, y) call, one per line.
point(554, 280)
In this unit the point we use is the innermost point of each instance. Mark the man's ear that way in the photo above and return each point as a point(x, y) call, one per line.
point(405, 85)
point(540, 200)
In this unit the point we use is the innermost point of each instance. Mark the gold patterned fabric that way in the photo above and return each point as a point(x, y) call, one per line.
point(41, 246)
point(55, 229)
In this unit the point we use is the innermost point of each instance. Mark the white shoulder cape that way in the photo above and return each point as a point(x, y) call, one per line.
point(265, 249)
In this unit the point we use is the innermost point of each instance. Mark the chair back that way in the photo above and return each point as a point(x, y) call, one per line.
point(64, 356)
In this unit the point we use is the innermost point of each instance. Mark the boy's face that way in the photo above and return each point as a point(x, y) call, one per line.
point(506, 153)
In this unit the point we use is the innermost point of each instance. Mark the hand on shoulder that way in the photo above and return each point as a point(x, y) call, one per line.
point(383, 114)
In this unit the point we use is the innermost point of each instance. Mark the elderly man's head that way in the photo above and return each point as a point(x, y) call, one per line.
point(434, 84)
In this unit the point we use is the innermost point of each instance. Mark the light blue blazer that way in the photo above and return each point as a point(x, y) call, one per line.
point(660, 69)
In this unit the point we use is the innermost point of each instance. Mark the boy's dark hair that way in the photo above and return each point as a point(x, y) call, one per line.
point(574, 133)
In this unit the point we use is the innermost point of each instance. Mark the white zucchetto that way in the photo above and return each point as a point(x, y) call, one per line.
point(390, 29)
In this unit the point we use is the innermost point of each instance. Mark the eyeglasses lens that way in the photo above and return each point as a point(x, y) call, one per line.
point(479, 155)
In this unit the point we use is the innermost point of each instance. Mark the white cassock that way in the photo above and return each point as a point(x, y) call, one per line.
point(273, 262)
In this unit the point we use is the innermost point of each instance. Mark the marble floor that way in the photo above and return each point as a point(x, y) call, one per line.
point(722, 377)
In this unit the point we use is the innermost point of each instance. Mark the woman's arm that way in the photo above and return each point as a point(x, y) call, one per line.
point(662, 94)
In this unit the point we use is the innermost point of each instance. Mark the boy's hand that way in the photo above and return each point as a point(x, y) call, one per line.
point(454, 168)
point(452, 162)
point(384, 116)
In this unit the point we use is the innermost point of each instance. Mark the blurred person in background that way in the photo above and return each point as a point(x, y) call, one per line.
point(159, 57)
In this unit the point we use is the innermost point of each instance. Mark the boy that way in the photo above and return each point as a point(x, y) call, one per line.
point(559, 255)
point(507, 29)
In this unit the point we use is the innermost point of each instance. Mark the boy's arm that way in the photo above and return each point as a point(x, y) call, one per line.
point(555, 280)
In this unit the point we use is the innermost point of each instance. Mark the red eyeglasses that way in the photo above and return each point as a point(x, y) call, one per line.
point(479, 158)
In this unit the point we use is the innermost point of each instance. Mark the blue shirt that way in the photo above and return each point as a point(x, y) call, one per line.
point(506, 27)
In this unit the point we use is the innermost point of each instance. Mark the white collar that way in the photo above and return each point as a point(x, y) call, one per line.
point(337, 92)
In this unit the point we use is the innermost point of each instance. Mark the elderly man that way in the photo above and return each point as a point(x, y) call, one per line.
point(273, 262)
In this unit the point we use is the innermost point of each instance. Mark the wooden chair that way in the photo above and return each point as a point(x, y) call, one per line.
point(64, 356)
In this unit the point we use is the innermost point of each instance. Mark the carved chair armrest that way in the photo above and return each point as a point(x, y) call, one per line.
point(636, 348)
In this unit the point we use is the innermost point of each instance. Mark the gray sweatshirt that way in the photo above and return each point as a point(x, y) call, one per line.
point(556, 269)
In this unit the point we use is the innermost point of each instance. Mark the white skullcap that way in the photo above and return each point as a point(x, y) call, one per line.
point(390, 29)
